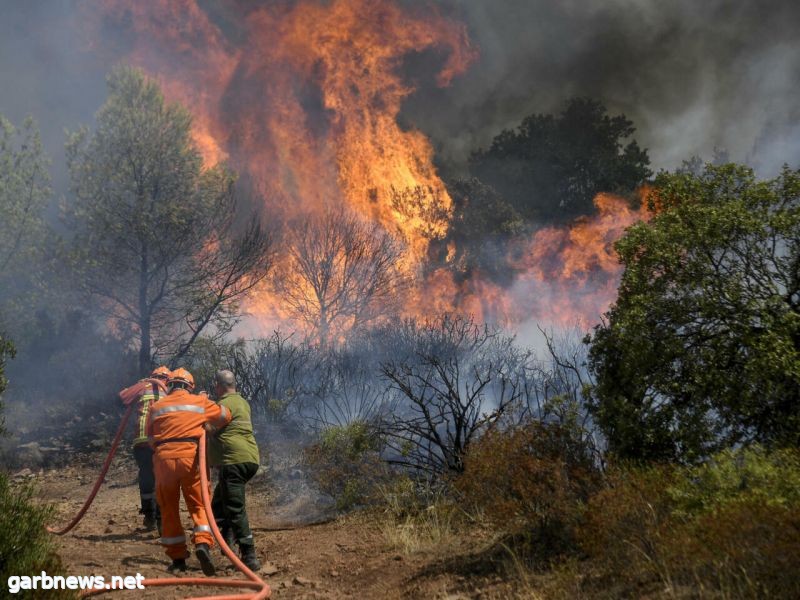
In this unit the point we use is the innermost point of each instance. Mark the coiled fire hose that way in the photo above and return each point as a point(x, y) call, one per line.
point(258, 588)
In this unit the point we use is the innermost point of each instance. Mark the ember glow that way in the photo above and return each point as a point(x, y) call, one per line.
point(303, 100)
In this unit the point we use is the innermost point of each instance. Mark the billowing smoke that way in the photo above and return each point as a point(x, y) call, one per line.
point(320, 103)
point(691, 75)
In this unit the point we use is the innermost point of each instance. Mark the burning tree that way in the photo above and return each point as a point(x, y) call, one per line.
point(153, 231)
point(342, 273)
point(551, 167)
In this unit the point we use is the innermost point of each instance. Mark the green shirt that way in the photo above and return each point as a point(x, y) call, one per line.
point(235, 443)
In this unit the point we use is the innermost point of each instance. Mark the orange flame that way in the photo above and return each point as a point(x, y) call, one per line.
point(303, 98)
point(307, 101)
point(565, 276)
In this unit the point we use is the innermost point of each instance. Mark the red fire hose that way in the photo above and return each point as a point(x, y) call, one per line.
point(259, 588)
point(100, 478)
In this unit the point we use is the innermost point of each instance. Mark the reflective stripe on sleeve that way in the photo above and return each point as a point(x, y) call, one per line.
point(199, 528)
point(177, 408)
point(171, 541)
point(147, 496)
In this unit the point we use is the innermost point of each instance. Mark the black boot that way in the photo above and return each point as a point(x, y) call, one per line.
point(204, 556)
point(249, 557)
point(150, 522)
point(178, 565)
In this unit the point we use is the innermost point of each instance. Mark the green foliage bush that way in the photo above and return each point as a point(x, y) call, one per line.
point(727, 529)
point(345, 463)
point(748, 475)
point(25, 547)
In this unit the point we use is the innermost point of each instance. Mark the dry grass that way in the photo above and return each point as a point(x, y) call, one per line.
point(416, 518)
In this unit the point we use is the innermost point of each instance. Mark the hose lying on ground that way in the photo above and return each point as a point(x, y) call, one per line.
point(259, 588)
point(100, 478)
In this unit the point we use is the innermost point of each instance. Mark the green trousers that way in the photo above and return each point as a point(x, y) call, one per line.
point(228, 503)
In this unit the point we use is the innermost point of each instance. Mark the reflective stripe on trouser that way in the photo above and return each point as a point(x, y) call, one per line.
point(173, 476)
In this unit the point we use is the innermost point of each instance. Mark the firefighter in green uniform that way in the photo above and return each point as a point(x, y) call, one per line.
point(234, 452)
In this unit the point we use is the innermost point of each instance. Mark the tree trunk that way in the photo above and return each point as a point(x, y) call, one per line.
point(144, 319)
point(324, 327)
point(145, 365)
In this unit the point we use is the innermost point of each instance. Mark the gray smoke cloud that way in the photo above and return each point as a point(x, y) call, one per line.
point(692, 75)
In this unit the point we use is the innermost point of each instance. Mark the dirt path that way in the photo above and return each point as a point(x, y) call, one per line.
point(342, 558)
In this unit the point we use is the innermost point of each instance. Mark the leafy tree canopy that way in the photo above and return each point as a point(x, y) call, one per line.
point(24, 195)
point(702, 348)
point(551, 167)
point(153, 241)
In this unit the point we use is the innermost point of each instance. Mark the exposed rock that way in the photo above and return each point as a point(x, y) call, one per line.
point(269, 569)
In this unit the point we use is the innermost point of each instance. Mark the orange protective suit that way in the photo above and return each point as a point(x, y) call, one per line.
point(175, 424)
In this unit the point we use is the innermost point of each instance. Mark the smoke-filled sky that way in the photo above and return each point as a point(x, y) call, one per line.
point(691, 74)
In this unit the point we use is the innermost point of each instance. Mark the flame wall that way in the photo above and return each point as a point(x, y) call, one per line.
point(303, 99)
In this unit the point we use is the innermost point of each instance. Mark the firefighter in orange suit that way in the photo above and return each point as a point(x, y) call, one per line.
point(176, 423)
point(144, 393)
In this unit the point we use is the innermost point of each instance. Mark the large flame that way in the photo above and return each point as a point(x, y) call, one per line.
point(303, 98)
point(306, 99)
point(564, 276)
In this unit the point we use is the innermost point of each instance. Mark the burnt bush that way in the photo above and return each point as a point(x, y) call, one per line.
point(532, 483)
point(451, 379)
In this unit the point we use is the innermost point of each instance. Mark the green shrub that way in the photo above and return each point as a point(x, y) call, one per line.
point(747, 475)
point(25, 547)
point(727, 529)
point(345, 463)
